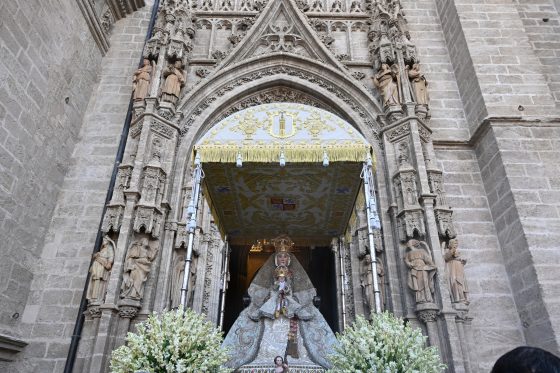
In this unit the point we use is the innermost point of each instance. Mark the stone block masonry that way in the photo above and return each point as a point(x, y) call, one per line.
point(47, 248)
point(48, 70)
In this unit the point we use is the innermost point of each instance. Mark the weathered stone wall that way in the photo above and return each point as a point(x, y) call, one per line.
point(62, 261)
point(48, 71)
point(448, 116)
point(542, 26)
point(519, 164)
point(487, 41)
point(496, 324)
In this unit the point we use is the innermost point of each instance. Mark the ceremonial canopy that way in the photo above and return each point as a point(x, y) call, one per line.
point(280, 168)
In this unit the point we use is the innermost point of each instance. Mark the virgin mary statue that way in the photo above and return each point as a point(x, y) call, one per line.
point(281, 319)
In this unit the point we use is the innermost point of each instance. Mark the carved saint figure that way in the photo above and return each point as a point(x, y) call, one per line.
point(456, 272)
point(421, 271)
point(174, 81)
point(137, 266)
point(419, 85)
point(141, 81)
point(100, 269)
point(386, 81)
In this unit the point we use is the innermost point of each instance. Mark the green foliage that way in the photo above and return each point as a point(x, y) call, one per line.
point(172, 342)
point(384, 345)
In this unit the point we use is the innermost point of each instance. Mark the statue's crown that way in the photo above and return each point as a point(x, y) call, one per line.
point(281, 271)
point(283, 244)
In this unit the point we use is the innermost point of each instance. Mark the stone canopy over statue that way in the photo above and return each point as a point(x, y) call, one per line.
point(281, 319)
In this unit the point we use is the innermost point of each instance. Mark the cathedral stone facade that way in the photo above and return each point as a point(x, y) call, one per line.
point(104, 106)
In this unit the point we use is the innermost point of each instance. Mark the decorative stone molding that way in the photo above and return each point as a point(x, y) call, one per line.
point(128, 312)
point(113, 218)
point(277, 70)
point(427, 316)
point(94, 311)
point(10, 346)
point(148, 219)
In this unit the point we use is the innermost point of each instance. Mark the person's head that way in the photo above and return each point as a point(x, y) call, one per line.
point(278, 360)
point(527, 359)
point(283, 259)
point(453, 243)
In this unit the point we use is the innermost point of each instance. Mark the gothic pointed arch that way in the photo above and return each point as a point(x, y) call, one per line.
point(208, 100)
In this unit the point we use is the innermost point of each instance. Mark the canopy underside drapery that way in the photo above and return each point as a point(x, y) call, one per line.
point(282, 168)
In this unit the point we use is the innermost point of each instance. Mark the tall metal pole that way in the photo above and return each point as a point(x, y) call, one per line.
point(373, 223)
point(224, 283)
point(342, 279)
point(192, 213)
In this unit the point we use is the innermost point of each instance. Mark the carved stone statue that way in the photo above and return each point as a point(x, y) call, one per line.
point(456, 273)
point(421, 271)
point(100, 269)
point(281, 319)
point(141, 81)
point(419, 85)
point(137, 266)
point(174, 81)
point(387, 83)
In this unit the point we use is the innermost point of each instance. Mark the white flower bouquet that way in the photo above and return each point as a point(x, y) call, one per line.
point(384, 345)
point(172, 342)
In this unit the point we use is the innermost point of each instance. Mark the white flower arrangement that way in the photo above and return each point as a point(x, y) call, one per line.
point(172, 342)
point(384, 345)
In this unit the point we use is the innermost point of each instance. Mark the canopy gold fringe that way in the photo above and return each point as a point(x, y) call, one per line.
point(304, 153)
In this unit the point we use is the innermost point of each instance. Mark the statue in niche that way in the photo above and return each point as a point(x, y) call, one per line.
point(177, 281)
point(437, 188)
point(141, 81)
point(174, 81)
point(281, 319)
point(100, 270)
point(137, 266)
point(367, 283)
point(386, 80)
point(455, 266)
point(409, 186)
point(421, 271)
point(419, 85)
point(403, 154)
